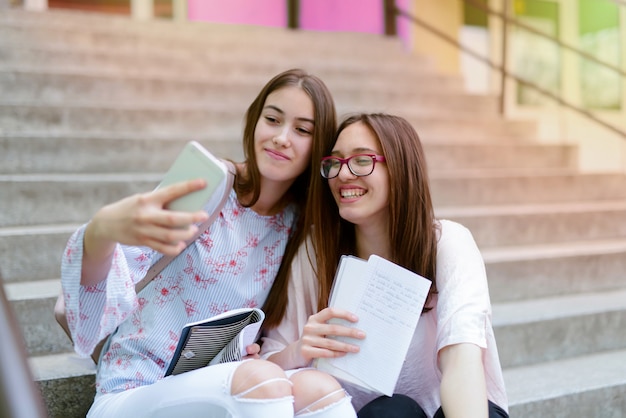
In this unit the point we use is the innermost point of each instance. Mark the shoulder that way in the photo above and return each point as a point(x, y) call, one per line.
point(454, 233)
point(458, 254)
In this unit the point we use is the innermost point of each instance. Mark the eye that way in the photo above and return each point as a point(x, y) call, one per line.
point(271, 119)
point(304, 131)
point(363, 160)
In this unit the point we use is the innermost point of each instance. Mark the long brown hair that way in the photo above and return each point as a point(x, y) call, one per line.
point(414, 238)
point(249, 183)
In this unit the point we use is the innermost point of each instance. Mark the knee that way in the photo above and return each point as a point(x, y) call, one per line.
point(260, 379)
point(314, 390)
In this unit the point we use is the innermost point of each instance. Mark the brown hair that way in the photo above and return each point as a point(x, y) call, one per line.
point(249, 184)
point(414, 240)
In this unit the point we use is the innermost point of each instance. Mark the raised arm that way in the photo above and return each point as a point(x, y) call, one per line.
point(140, 220)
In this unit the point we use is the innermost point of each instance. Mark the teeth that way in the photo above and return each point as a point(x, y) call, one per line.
point(349, 193)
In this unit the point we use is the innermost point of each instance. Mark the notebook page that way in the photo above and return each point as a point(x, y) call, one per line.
point(388, 300)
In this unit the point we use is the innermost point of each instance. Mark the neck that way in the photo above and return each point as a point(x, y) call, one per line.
point(272, 197)
point(372, 240)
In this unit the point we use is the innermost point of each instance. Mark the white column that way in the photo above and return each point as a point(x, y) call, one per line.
point(622, 29)
point(179, 10)
point(142, 9)
point(36, 5)
point(570, 64)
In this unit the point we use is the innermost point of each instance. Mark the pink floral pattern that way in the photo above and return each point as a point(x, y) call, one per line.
point(232, 265)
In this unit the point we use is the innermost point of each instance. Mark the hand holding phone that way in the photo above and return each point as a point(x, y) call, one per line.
point(193, 162)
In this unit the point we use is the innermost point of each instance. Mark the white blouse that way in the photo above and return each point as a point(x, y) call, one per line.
point(462, 314)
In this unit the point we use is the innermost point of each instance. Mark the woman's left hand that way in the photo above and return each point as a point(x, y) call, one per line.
point(253, 351)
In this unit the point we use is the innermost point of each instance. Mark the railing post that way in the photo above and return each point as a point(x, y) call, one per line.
point(389, 10)
point(293, 14)
point(179, 10)
point(142, 9)
point(36, 5)
point(504, 70)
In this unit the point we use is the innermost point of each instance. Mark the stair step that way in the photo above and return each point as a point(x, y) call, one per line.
point(527, 224)
point(199, 38)
point(33, 253)
point(167, 120)
point(33, 303)
point(100, 154)
point(67, 383)
point(588, 386)
point(69, 198)
point(484, 187)
point(75, 197)
point(545, 329)
point(90, 84)
point(538, 271)
point(565, 272)
point(514, 272)
point(139, 153)
point(448, 157)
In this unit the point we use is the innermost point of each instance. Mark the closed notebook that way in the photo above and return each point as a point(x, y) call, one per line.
point(218, 339)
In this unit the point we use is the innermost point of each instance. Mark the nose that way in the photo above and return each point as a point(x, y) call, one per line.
point(344, 172)
point(282, 137)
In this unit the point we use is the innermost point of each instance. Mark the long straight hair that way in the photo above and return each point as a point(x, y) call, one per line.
point(413, 229)
point(249, 183)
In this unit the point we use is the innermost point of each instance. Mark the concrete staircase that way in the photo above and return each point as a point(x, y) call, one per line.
point(94, 108)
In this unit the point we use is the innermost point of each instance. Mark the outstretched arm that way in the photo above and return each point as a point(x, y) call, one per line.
point(140, 220)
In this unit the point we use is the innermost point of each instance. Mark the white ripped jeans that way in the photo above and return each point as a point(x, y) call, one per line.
point(207, 393)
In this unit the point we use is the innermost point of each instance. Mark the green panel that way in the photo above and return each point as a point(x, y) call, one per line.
point(538, 8)
point(599, 35)
point(473, 16)
point(595, 15)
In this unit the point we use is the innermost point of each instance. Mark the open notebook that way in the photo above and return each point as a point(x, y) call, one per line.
point(388, 299)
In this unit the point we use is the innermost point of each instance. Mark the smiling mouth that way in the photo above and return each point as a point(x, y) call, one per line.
point(276, 154)
point(351, 193)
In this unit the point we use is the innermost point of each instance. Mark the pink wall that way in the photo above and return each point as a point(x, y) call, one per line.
point(322, 15)
point(249, 12)
point(344, 15)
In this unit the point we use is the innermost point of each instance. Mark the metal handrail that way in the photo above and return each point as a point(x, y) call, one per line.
point(544, 35)
point(505, 73)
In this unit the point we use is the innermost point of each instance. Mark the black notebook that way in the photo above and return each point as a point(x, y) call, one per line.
point(215, 340)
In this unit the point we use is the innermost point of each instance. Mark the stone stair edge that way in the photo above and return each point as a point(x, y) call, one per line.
point(558, 307)
point(62, 365)
point(524, 384)
point(479, 174)
point(356, 45)
point(421, 88)
point(567, 376)
point(570, 249)
point(34, 289)
point(531, 208)
point(476, 119)
point(409, 61)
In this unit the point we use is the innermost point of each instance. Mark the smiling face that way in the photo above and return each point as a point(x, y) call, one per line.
point(283, 136)
point(361, 200)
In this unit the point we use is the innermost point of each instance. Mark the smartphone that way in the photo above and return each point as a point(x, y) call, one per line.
point(193, 162)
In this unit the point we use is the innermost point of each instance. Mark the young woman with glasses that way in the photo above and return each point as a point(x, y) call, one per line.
point(373, 197)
